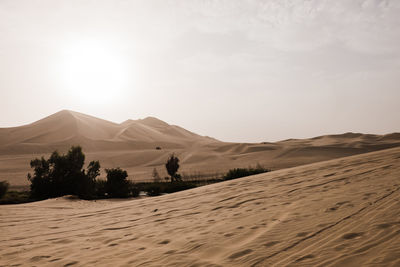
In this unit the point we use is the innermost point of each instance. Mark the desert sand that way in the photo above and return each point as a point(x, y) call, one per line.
point(132, 144)
point(342, 212)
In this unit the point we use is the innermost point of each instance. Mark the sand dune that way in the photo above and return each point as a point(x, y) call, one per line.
point(131, 145)
point(66, 127)
point(343, 212)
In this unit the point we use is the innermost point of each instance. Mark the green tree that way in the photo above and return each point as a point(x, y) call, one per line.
point(63, 175)
point(117, 183)
point(87, 185)
point(172, 167)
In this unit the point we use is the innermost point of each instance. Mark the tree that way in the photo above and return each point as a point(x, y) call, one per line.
point(93, 170)
point(172, 167)
point(117, 184)
point(63, 175)
point(41, 183)
point(87, 186)
point(156, 176)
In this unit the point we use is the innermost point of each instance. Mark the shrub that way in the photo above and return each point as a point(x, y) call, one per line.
point(242, 172)
point(153, 189)
point(16, 197)
point(178, 186)
point(100, 188)
point(133, 189)
point(63, 175)
point(117, 185)
point(104, 189)
point(156, 189)
point(178, 177)
point(3, 188)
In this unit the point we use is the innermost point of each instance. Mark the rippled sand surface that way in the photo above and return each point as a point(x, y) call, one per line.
point(343, 212)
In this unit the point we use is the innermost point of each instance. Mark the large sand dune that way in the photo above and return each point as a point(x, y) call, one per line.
point(132, 144)
point(343, 212)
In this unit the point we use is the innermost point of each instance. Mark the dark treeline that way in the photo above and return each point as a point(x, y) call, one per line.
point(64, 174)
point(242, 172)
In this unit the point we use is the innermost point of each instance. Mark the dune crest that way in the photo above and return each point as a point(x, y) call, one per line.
point(60, 129)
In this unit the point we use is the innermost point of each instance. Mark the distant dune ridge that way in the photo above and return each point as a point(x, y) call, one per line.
point(132, 145)
point(64, 128)
point(343, 212)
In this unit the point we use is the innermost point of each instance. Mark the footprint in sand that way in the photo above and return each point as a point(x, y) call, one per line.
point(270, 244)
point(352, 235)
point(309, 256)
point(337, 206)
point(368, 195)
point(301, 234)
point(340, 247)
point(240, 254)
point(38, 258)
point(71, 263)
point(387, 225)
point(164, 242)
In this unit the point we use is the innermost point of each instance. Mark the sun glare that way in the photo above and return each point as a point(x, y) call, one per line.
point(93, 72)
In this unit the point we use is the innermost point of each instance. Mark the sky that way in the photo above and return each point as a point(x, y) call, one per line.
point(242, 71)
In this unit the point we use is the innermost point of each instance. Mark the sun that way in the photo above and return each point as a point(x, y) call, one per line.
point(93, 72)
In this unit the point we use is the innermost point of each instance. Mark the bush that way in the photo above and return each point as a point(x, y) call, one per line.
point(16, 197)
point(3, 188)
point(106, 188)
point(100, 188)
point(133, 189)
point(242, 172)
point(117, 185)
point(178, 186)
point(153, 189)
point(63, 175)
point(156, 189)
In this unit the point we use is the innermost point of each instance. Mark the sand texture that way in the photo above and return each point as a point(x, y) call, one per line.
point(132, 144)
point(342, 212)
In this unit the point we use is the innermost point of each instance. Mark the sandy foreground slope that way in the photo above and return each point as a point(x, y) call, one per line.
point(343, 212)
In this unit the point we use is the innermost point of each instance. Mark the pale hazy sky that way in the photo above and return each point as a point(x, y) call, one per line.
point(235, 70)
